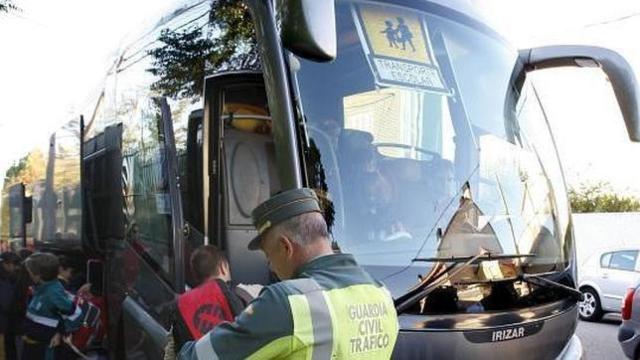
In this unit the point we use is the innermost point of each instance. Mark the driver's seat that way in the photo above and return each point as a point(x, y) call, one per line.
point(412, 191)
point(355, 151)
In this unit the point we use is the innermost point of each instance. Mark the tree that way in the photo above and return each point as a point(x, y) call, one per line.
point(599, 197)
point(186, 56)
point(8, 6)
point(28, 170)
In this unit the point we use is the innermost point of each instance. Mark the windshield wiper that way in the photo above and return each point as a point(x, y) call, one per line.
point(540, 280)
point(479, 257)
point(407, 300)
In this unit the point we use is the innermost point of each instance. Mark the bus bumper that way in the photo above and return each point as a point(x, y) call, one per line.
point(539, 337)
point(573, 349)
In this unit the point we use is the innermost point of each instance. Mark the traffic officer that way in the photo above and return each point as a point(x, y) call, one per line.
point(326, 307)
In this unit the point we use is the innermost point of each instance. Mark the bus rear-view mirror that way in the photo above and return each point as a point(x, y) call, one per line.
point(308, 28)
point(617, 69)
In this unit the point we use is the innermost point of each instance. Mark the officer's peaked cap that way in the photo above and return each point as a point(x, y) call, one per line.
point(281, 207)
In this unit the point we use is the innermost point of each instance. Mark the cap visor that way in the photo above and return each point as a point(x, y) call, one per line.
point(254, 244)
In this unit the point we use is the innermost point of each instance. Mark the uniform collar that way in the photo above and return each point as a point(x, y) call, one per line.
point(324, 262)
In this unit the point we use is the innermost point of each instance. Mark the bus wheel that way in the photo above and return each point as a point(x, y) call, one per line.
point(589, 308)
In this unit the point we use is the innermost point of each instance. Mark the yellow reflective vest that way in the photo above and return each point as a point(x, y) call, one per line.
point(332, 310)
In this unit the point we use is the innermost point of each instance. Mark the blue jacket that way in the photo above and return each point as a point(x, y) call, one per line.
point(50, 310)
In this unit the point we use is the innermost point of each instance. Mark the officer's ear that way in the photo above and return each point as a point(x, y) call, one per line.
point(287, 245)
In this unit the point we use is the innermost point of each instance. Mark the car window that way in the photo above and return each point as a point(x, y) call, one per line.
point(604, 260)
point(623, 260)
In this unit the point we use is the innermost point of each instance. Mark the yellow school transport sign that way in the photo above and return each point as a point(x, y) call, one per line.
point(398, 47)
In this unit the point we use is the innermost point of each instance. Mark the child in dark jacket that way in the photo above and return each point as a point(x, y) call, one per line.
point(50, 309)
point(9, 264)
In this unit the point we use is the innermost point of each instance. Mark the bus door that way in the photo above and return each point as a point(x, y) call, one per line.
point(134, 225)
point(240, 167)
point(154, 233)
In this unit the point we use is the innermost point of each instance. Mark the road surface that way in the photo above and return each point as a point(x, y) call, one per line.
point(600, 340)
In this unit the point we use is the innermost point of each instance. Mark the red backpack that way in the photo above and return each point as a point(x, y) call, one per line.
point(91, 329)
point(203, 308)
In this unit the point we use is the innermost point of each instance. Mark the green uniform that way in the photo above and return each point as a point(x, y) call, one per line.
point(332, 310)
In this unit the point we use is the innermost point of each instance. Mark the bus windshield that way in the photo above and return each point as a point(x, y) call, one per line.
point(421, 145)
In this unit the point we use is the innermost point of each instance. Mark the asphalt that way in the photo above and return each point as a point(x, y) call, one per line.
point(600, 340)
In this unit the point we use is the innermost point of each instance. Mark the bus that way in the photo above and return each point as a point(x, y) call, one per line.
point(414, 121)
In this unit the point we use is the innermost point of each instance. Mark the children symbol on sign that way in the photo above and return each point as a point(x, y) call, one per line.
point(391, 33)
point(404, 34)
point(401, 34)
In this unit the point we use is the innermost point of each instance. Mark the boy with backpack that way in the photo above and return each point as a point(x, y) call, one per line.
point(50, 310)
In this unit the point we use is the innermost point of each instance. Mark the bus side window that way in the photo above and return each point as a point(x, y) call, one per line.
point(147, 201)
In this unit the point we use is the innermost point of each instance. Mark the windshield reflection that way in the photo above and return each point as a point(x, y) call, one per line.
point(407, 170)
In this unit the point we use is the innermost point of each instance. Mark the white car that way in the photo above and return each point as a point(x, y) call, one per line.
point(604, 279)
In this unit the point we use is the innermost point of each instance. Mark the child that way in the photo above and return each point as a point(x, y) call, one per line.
point(65, 272)
point(70, 278)
point(201, 309)
point(213, 295)
point(9, 264)
point(19, 305)
point(391, 34)
point(404, 34)
point(49, 305)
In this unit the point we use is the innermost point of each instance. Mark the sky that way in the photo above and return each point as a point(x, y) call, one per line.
point(53, 57)
point(55, 53)
point(580, 104)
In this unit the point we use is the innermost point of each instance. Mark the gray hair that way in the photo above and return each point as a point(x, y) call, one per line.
point(304, 229)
